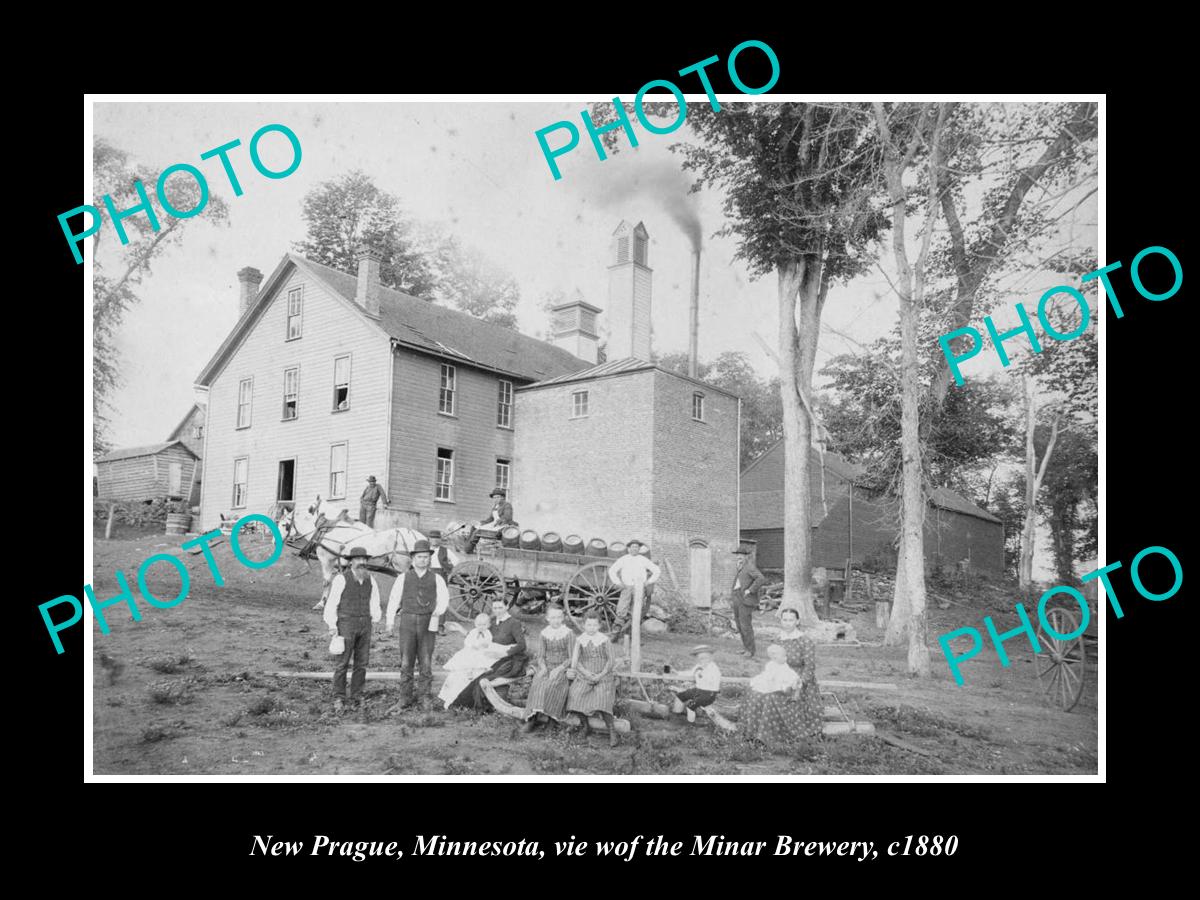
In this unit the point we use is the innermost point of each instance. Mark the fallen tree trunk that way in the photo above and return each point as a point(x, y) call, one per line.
point(823, 683)
point(516, 712)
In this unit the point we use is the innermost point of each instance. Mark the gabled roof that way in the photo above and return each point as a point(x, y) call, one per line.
point(418, 324)
point(619, 367)
point(147, 450)
point(174, 435)
point(948, 499)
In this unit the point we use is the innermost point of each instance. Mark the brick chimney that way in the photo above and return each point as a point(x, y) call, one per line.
point(573, 327)
point(367, 295)
point(250, 278)
point(628, 310)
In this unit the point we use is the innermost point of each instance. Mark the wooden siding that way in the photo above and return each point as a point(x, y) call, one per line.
point(418, 430)
point(145, 477)
point(330, 329)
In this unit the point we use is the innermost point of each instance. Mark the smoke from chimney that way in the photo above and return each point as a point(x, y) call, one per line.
point(694, 316)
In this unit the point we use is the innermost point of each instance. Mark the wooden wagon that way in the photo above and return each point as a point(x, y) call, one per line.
point(578, 582)
point(1063, 663)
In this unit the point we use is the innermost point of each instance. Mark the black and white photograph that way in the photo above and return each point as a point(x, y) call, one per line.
point(699, 436)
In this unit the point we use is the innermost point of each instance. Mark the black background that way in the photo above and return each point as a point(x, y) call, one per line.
point(1006, 832)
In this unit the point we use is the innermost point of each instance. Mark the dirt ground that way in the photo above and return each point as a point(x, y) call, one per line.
point(184, 691)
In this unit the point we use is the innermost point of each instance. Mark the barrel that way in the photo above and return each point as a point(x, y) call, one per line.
point(616, 548)
point(530, 540)
point(597, 547)
point(178, 523)
point(552, 542)
point(573, 543)
point(510, 536)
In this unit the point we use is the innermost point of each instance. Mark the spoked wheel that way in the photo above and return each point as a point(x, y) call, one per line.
point(1060, 665)
point(473, 587)
point(590, 590)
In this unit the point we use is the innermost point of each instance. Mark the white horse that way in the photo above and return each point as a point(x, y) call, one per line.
point(388, 547)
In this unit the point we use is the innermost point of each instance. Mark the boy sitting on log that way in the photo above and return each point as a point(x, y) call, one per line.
point(706, 679)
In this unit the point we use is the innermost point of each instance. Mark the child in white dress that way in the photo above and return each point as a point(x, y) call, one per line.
point(475, 658)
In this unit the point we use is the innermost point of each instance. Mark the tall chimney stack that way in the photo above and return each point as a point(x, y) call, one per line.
point(250, 278)
point(694, 317)
point(367, 294)
point(628, 309)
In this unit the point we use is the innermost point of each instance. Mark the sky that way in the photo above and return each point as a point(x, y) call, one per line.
point(475, 168)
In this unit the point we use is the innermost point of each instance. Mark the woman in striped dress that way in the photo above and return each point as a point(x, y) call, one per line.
point(593, 687)
point(548, 694)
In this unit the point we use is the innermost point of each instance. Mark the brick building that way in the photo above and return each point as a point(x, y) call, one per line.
point(850, 522)
point(329, 377)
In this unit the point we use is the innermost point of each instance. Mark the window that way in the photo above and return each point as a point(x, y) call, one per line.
point(503, 468)
point(698, 407)
point(241, 468)
point(197, 431)
point(291, 392)
point(446, 394)
point(341, 383)
point(443, 485)
point(622, 250)
point(245, 392)
point(294, 313)
point(579, 404)
point(639, 249)
point(337, 471)
point(504, 406)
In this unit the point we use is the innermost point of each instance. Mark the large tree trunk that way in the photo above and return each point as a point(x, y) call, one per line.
point(794, 380)
point(1034, 473)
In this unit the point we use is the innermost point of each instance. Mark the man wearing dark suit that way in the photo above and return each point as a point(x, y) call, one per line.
point(744, 599)
point(501, 517)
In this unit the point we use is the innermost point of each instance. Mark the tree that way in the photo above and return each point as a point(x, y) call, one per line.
point(1068, 499)
point(349, 212)
point(762, 413)
point(119, 268)
point(469, 281)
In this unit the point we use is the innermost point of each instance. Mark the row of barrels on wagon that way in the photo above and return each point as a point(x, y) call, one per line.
point(553, 542)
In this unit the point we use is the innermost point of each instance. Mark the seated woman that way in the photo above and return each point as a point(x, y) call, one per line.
point(769, 712)
point(801, 653)
point(510, 635)
point(547, 699)
point(593, 688)
point(476, 657)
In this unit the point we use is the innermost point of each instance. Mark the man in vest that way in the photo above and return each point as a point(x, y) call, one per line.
point(440, 560)
point(352, 607)
point(371, 495)
point(421, 597)
point(744, 596)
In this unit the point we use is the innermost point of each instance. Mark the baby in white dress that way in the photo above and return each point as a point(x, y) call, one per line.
point(475, 658)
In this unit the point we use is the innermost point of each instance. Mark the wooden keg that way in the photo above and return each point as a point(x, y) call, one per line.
point(510, 536)
point(573, 543)
point(616, 548)
point(530, 540)
point(552, 542)
point(597, 547)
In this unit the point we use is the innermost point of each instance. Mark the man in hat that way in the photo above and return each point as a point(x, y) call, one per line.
point(744, 596)
point(501, 516)
point(366, 504)
point(421, 598)
point(440, 560)
point(633, 572)
point(352, 606)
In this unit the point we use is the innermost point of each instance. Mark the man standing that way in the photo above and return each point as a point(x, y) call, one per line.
point(744, 597)
point(440, 561)
point(633, 572)
point(366, 504)
point(421, 597)
point(352, 607)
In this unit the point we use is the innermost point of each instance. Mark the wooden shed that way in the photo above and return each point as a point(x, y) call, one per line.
point(144, 473)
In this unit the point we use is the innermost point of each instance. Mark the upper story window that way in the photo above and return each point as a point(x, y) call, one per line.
point(446, 392)
point(197, 431)
point(245, 394)
point(698, 406)
point(341, 383)
point(579, 404)
point(291, 392)
point(295, 313)
point(504, 405)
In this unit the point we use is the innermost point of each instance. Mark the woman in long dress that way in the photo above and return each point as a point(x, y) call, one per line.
point(547, 699)
point(593, 688)
point(769, 713)
point(801, 653)
point(476, 656)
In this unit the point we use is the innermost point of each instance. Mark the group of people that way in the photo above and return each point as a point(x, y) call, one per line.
point(572, 673)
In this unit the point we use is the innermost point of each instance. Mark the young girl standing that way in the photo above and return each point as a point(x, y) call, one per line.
point(593, 687)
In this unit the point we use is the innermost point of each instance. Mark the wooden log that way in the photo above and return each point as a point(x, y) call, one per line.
point(648, 708)
point(598, 724)
point(859, 727)
point(108, 524)
point(883, 611)
point(438, 676)
point(741, 679)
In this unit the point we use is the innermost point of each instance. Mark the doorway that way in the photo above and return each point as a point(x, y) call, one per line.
point(700, 574)
point(286, 489)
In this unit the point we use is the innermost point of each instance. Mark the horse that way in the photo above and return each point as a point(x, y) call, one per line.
point(334, 540)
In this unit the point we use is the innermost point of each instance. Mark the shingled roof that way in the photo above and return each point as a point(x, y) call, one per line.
point(619, 367)
point(443, 331)
point(146, 450)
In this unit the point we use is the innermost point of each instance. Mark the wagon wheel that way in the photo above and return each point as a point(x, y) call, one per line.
point(473, 587)
point(1060, 665)
point(590, 590)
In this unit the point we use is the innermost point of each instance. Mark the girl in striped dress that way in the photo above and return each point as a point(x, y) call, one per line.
point(593, 687)
point(548, 694)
